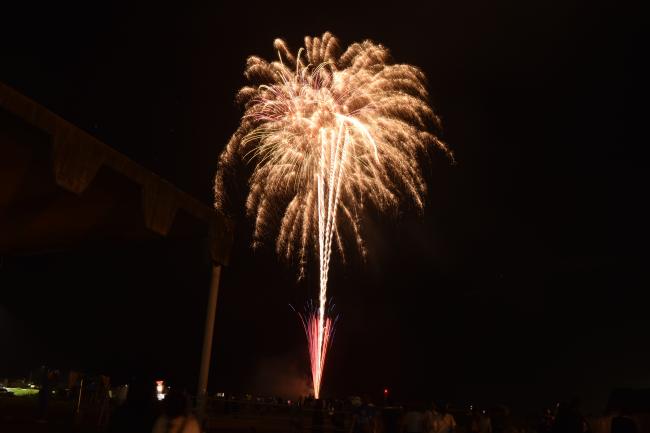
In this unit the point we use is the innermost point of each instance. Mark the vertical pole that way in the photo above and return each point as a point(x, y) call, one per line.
point(81, 388)
point(207, 341)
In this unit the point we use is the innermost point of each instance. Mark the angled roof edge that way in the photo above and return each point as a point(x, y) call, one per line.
point(77, 156)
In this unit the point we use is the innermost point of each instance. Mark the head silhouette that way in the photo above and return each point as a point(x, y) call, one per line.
point(175, 404)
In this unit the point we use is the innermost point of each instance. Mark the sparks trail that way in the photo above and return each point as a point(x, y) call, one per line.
point(327, 134)
point(319, 338)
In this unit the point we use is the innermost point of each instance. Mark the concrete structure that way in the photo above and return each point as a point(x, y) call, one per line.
point(60, 188)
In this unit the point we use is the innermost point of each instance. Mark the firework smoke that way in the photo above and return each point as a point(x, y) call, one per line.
point(326, 135)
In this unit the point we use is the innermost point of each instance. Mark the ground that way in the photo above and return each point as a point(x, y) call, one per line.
point(18, 415)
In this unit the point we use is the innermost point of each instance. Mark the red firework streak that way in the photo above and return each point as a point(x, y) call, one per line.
point(310, 323)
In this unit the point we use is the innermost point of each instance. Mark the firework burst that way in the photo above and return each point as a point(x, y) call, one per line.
point(310, 320)
point(326, 134)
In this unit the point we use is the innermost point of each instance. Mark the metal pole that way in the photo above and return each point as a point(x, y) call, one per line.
point(207, 341)
point(81, 388)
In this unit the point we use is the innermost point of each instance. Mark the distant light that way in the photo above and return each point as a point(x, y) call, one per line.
point(160, 388)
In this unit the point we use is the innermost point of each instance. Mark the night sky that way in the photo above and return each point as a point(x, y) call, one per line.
point(524, 281)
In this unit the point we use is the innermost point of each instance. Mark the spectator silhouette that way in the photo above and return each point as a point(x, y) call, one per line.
point(138, 412)
point(481, 422)
point(363, 417)
point(546, 422)
point(176, 417)
point(338, 418)
point(390, 416)
point(44, 393)
point(622, 423)
point(569, 419)
point(413, 421)
point(317, 417)
point(443, 420)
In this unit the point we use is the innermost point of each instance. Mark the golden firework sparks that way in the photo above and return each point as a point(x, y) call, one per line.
point(327, 134)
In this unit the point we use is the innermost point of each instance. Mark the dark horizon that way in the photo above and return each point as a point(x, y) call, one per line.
point(523, 281)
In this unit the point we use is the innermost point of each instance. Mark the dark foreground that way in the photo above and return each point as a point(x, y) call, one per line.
point(21, 415)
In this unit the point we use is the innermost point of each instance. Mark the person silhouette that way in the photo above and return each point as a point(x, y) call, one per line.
point(138, 412)
point(622, 423)
point(176, 417)
point(569, 419)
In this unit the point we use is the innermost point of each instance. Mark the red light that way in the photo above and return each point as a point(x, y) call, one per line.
point(385, 391)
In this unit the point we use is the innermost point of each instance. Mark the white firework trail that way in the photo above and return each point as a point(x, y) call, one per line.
point(326, 134)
